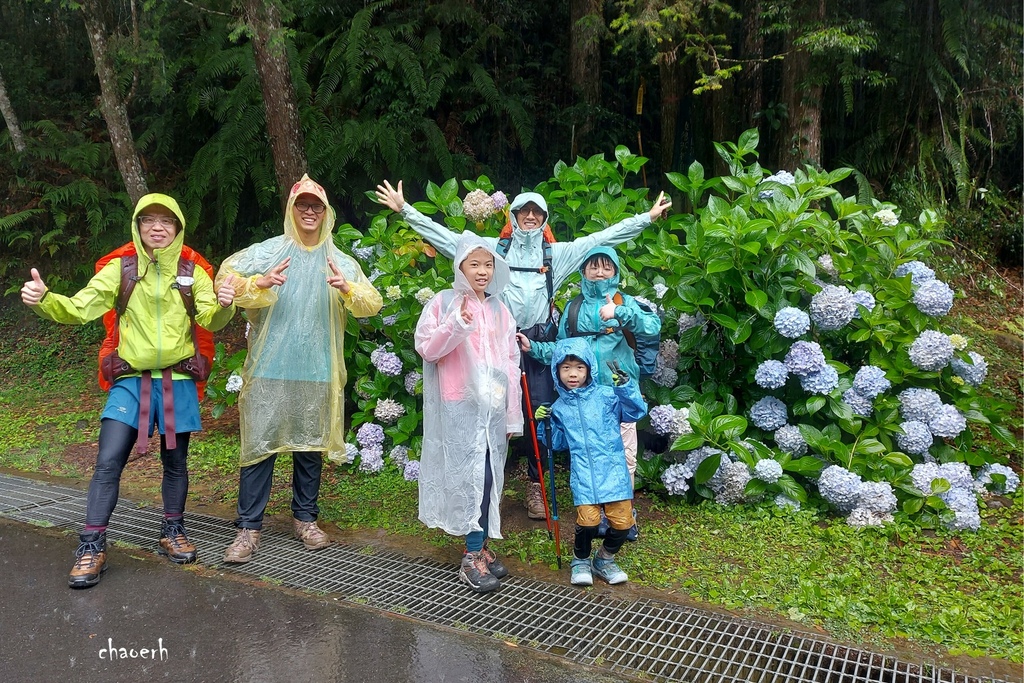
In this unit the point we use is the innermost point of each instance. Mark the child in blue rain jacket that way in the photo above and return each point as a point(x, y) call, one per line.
point(585, 421)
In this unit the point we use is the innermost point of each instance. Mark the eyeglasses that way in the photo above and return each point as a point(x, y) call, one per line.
point(162, 221)
point(303, 207)
point(527, 212)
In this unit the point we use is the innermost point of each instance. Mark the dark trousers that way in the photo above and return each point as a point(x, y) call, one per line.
point(254, 483)
point(475, 540)
point(115, 445)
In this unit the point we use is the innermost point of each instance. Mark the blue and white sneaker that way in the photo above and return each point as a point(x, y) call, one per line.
point(581, 575)
point(608, 571)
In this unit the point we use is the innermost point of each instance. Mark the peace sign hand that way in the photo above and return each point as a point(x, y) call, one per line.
point(338, 280)
point(467, 315)
point(275, 276)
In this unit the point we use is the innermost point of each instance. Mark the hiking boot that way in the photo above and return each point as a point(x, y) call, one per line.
point(609, 571)
point(581, 574)
point(633, 534)
point(310, 534)
point(494, 565)
point(245, 545)
point(174, 544)
point(534, 501)
point(91, 560)
point(474, 572)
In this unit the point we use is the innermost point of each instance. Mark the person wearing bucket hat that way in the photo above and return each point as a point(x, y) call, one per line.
point(297, 290)
point(524, 243)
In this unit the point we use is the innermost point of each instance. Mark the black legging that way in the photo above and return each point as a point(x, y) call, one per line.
point(115, 445)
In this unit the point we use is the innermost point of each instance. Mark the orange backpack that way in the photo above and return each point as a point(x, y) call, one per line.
point(202, 338)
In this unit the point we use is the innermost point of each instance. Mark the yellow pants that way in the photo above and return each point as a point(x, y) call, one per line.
point(619, 514)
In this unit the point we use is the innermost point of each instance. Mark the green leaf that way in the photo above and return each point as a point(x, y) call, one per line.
point(731, 426)
point(814, 404)
point(719, 265)
point(688, 442)
point(807, 466)
point(898, 459)
point(756, 299)
point(913, 505)
point(792, 489)
point(707, 469)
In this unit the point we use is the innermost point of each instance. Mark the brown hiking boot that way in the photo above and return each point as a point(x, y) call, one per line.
point(174, 544)
point(245, 545)
point(310, 534)
point(91, 560)
point(534, 501)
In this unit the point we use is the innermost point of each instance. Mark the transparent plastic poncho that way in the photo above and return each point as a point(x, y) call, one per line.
point(471, 399)
point(294, 375)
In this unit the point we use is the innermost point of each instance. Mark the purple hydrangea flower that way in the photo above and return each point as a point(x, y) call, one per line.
point(840, 487)
point(662, 419)
point(916, 438)
point(370, 434)
point(350, 453)
point(870, 381)
point(769, 414)
point(687, 321)
point(919, 405)
point(767, 471)
point(789, 440)
point(399, 455)
point(389, 320)
point(388, 410)
point(500, 200)
point(771, 374)
point(792, 322)
point(412, 470)
point(824, 381)
point(919, 272)
point(411, 380)
point(947, 422)
point(674, 479)
point(371, 459)
point(827, 266)
point(859, 404)
point(863, 298)
point(931, 351)
point(665, 376)
point(934, 298)
point(833, 307)
point(972, 373)
point(805, 358)
point(386, 361)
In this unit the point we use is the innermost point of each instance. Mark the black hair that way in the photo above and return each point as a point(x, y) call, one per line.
point(570, 357)
point(602, 260)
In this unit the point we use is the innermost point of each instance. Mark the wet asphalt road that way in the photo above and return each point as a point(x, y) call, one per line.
point(203, 627)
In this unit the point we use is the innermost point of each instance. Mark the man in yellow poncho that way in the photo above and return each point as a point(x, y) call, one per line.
point(297, 290)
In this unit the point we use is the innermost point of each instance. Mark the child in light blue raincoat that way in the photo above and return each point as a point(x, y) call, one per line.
point(585, 421)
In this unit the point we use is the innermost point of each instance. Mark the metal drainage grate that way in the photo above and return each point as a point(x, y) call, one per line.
point(646, 638)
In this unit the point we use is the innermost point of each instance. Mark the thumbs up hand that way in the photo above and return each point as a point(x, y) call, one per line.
point(607, 311)
point(34, 290)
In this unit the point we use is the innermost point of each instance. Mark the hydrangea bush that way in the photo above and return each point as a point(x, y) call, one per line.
point(802, 335)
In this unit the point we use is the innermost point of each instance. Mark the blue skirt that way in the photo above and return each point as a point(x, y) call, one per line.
point(123, 404)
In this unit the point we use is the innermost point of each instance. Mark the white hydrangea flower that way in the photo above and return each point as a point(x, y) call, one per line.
point(887, 217)
point(234, 383)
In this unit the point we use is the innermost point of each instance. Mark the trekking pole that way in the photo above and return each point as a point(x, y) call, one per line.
point(554, 500)
point(536, 451)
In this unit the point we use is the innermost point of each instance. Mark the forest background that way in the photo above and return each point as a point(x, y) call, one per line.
point(223, 102)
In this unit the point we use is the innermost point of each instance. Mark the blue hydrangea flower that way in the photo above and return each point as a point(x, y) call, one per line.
point(931, 351)
point(840, 487)
point(371, 459)
point(768, 414)
point(919, 404)
point(922, 476)
point(674, 479)
point(782, 177)
point(789, 440)
point(863, 298)
point(964, 505)
point(877, 496)
point(870, 381)
point(958, 474)
point(389, 320)
point(696, 457)
point(833, 307)
point(771, 374)
point(859, 404)
point(827, 266)
point(386, 361)
point(824, 382)
point(687, 321)
point(947, 422)
point(730, 486)
point(919, 272)
point(974, 374)
point(805, 358)
point(783, 501)
point(370, 434)
point(363, 253)
point(665, 376)
point(1008, 487)
point(863, 517)
point(792, 322)
point(767, 471)
point(662, 419)
point(412, 470)
point(399, 455)
point(351, 451)
point(411, 380)
point(934, 298)
point(916, 438)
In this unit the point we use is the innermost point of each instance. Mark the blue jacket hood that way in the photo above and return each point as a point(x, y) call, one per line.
point(573, 346)
point(597, 289)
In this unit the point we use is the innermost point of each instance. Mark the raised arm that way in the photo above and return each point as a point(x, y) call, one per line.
point(442, 238)
point(92, 301)
point(632, 406)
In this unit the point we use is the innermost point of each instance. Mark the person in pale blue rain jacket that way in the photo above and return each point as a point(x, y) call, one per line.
point(585, 421)
point(530, 291)
point(601, 321)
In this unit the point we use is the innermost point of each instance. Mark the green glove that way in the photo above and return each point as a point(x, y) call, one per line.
point(542, 413)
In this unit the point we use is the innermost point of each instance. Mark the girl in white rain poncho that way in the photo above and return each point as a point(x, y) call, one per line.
point(297, 289)
point(471, 405)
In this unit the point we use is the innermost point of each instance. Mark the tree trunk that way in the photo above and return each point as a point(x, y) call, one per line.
point(10, 118)
point(287, 143)
point(586, 24)
point(114, 111)
point(749, 81)
point(803, 98)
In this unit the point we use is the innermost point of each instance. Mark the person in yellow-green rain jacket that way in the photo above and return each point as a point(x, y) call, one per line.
point(297, 290)
point(155, 335)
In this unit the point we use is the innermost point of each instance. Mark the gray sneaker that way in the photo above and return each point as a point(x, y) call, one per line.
point(609, 571)
point(581, 575)
point(494, 565)
point(474, 572)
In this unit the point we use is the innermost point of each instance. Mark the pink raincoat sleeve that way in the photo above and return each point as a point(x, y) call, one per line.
point(440, 332)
